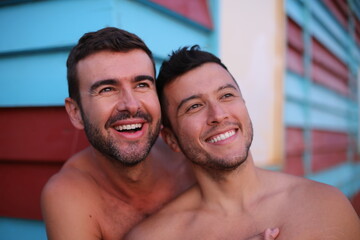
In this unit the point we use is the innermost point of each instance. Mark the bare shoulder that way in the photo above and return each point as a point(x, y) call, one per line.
point(65, 200)
point(317, 210)
point(171, 221)
point(68, 180)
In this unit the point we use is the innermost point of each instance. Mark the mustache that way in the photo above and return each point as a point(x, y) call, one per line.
point(126, 115)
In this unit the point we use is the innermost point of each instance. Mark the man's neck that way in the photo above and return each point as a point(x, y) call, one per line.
point(236, 189)
point(118, 178)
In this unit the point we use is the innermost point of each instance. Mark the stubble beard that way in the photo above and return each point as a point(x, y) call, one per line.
point(134, 153)
point(213, 163)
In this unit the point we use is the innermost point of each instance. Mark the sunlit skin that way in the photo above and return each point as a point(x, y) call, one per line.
point(234, 199)
point(111, 105)
point(103, 191)
point(209, 118)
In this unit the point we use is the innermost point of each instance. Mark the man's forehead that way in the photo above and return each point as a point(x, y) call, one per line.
point(207, 77)
point(112, 65)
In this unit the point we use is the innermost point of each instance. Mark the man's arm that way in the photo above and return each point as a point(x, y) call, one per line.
point(66, 213)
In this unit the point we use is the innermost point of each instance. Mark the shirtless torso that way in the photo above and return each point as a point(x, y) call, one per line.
point(82, 202)
point(299, 207)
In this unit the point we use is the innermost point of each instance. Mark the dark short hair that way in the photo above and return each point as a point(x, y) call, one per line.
point(179, 63)
point(109, 38)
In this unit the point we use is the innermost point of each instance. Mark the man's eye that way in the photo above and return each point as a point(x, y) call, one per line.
point(143, 85)
point(106, 90)
point(227, 95)
point(192, 107)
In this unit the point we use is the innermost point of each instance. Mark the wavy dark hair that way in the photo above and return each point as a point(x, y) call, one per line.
point(109, 38)
point(180, 62)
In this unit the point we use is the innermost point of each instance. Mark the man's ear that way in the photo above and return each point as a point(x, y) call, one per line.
point(73, 110)
point(170, 139)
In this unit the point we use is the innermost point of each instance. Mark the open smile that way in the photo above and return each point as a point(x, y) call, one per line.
point(221, 137)
point(129, 127)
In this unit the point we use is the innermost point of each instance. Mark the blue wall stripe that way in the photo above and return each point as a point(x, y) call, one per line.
point(295, 10)
point(323, 26)
point(294, 114)
point(15, 229)
point(329, 22)
point(39, 36)
point(327, 109)
point(43, 24)
point(33, 80)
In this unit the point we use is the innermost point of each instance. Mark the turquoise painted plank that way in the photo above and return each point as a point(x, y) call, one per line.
point(162, 32)
point(294, 114)
point(346, 177)
point(328, 40)
point(327, 110)
point(329, 100)
point(15, 229)
point(354, 55)
point(329, 21)
point(295, 86)
point(295, 10)
point(326, 120)
point(215, 34)
point(355, 6)
point(33, 80)
point(47, 24)
point(333, 36)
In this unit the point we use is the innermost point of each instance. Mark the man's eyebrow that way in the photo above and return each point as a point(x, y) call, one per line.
point(102, 82)
point(144, 77)
point(229, 85)
point(186, 100)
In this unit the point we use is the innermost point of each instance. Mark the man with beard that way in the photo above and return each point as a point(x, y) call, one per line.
point(106, 189)
point(205, 117)
point(102, 191)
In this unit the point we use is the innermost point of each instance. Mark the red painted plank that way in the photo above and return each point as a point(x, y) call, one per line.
point(324, 160)
point(324, 77)
point(340, 11)
point(294, 165)
point(355, 201)
point(325, 140)
point(294, 35)
point(294, 139)
point(295, 48)
point(20, 188)
point(38, 134)
point(294, 61)
point(195, 10)
point(329, 149)
point(34, 143)
point(325, 58)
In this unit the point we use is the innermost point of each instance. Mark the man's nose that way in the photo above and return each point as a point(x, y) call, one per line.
point(216, 113)
point(128, 102)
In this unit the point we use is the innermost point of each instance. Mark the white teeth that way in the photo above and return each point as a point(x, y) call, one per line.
point(222, 136)
point(128, 127)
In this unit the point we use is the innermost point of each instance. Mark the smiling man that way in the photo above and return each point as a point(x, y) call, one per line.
point(104, 190)
point(205, 117)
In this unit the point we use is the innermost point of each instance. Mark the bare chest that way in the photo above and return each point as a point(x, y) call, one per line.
point(118, 215)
